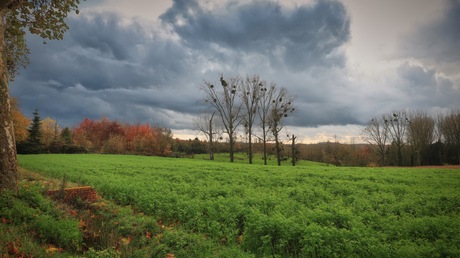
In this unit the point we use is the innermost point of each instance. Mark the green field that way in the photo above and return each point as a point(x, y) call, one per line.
point(267, 211)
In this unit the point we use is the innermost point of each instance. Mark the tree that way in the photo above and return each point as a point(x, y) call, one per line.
point(45, 18)
point(94, 134)
point(205, 124)
point(294, 151)
point(224, 100)
point(449, 126)
point(266, 98)
point(50, 131)
point(66, 136)
point(420, 136)
point(35, 132)
point(250, 91)
point(20, 121)
point(376, 134)
point(281, 106)
point(397, 126)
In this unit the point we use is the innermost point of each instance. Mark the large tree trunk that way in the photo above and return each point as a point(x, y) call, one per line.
point(8, 160)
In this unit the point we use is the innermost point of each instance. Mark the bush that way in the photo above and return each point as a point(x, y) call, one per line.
point(66, 149)
point(29, 148)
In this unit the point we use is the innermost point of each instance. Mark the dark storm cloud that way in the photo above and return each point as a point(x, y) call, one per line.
point(425, 88)
point(135, 72)
point(99, 52)
point(105, 68)
point(438, 41)
point(301, 37)
point(417, 76)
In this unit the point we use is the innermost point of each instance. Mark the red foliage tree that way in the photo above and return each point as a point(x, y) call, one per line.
point(112, 137)
point(94, 134)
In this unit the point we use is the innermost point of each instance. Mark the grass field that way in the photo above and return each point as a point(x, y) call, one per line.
point(310, 210)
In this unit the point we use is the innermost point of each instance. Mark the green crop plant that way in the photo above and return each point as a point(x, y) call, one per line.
point(309, 210)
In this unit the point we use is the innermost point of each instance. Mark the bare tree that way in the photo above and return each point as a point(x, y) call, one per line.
point(206, 124)
point(266, 97)
point(397, 125)
point(449, 126)
point(224, 100)
point(421, 133)
point(376, 134)
point(281, 106)
point(250, 92)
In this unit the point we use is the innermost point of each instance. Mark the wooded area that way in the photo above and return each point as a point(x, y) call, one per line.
point(417, 140)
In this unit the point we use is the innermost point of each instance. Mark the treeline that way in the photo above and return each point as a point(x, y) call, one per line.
point(414, 138)
point(337, 154)
point(399, 138)
point(95, 136)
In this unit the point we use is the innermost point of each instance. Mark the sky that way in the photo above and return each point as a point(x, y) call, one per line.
point(344, 62)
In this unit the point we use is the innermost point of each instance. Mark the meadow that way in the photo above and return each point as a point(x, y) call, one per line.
point(310, 210)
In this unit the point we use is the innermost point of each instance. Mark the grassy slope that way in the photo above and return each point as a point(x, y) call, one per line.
point(265, 210)
point(33, 225)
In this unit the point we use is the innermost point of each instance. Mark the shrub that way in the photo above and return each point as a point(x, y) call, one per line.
point(63, 233)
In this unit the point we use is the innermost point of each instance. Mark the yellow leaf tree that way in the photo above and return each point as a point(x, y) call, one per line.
point(20, 121)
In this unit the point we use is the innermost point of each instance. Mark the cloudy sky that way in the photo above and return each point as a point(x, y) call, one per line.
point(346, 61)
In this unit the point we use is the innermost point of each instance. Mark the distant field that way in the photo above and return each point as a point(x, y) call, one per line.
point(310, 210)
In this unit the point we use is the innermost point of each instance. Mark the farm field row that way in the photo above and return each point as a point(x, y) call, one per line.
point(313, 211)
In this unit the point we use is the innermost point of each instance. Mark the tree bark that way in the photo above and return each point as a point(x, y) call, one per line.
point(8, 159)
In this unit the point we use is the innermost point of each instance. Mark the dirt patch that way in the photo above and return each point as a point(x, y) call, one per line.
point(68, 195)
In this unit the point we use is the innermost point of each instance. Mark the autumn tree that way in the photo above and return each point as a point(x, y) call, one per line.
point(376, 134)
point(94, 135)
point(224, 99)
point(282, 106)
point(50, 131)
point(45, 18)
point(107, 136)
point(20, 121)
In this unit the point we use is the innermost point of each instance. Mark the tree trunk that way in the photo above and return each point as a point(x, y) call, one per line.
point(232, 149)
point(293, 158)
point(278, 150)
point(8, 160)
point(250, 146)
point(211, 149)
point(265, 144)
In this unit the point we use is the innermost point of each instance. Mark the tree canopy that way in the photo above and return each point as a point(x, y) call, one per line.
point(46, 18)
